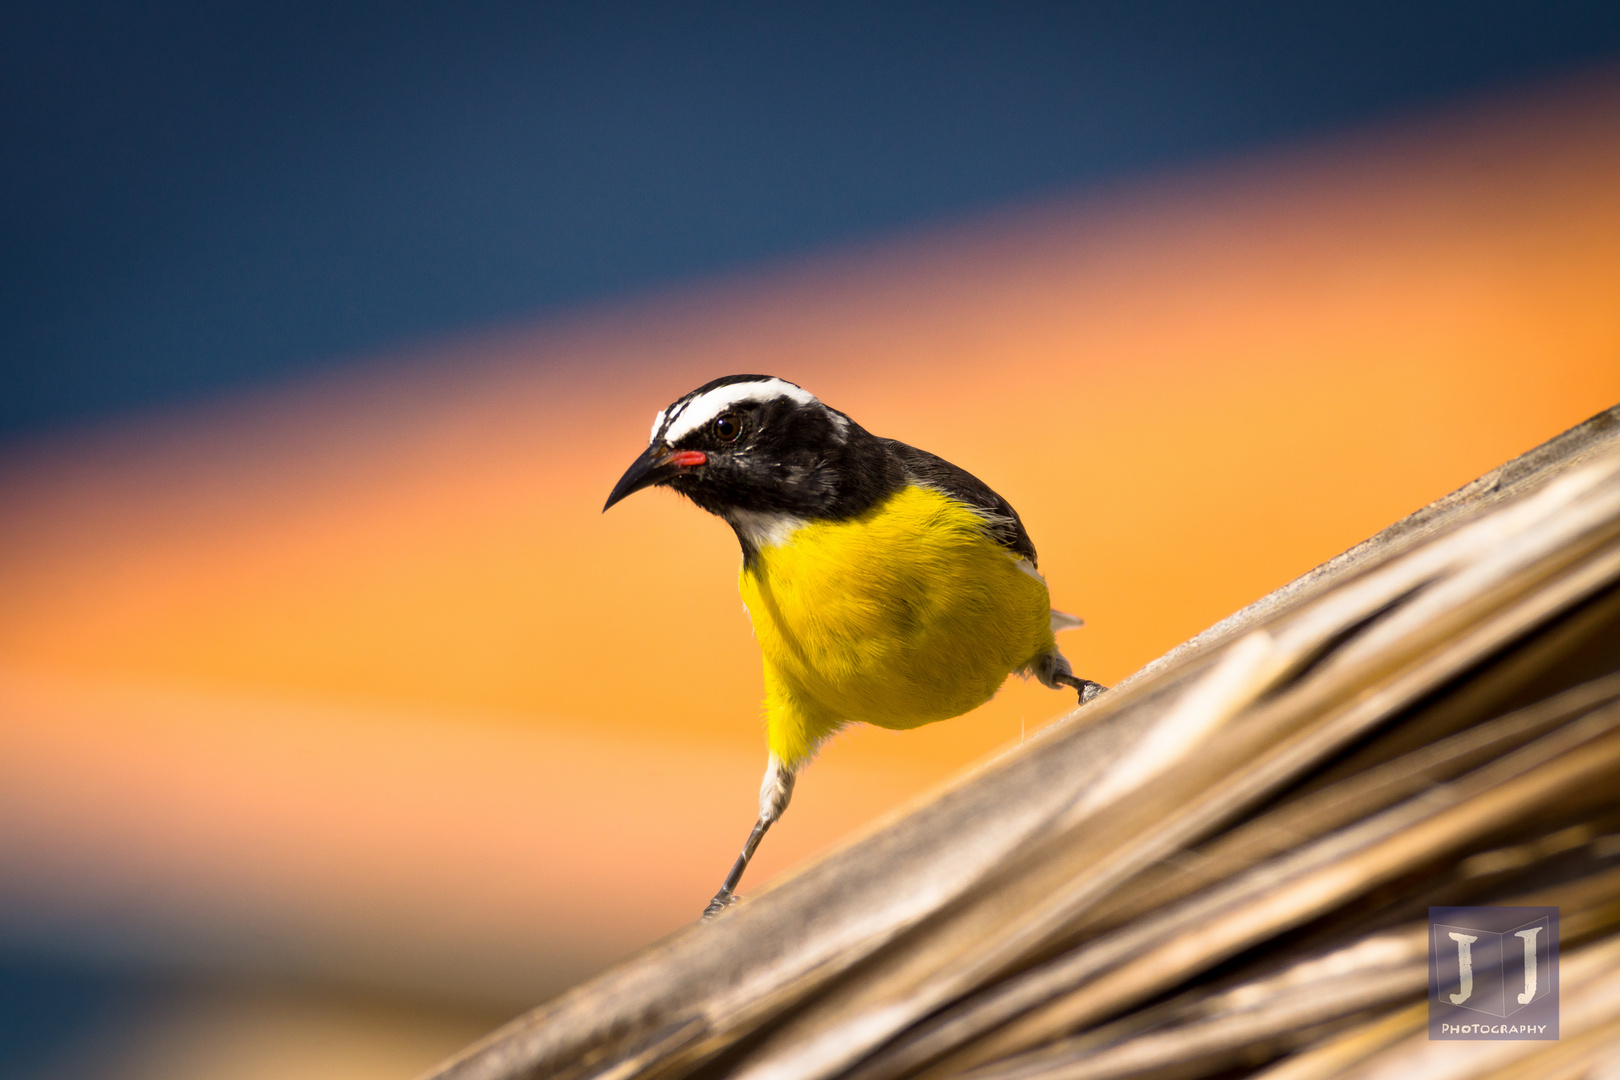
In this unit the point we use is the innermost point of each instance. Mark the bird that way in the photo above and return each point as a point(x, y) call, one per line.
point(886, 585)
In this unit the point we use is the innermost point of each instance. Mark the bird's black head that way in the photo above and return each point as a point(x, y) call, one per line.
point(752, 448)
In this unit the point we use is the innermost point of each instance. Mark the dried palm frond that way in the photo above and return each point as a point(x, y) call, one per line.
point(1222, 866)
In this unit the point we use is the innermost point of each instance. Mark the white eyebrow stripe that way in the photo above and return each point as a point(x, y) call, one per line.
point(700, 410)
point(665, 416)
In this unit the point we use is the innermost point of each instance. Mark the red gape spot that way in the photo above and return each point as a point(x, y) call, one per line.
point(688, 458)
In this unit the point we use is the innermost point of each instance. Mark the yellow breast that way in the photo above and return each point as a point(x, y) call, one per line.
point(907, 614)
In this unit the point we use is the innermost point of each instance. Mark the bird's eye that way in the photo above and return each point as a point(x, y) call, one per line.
point(727, 428)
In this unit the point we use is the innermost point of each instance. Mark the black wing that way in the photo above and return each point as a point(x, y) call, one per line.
point(1001, 520)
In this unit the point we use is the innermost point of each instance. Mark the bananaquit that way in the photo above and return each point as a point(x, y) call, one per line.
point(886, 585)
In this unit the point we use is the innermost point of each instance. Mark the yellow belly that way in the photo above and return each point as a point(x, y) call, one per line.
point(903, 616)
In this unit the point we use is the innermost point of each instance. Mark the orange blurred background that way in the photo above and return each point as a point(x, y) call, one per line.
point(353, 680)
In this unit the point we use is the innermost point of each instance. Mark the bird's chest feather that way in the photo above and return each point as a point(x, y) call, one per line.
point(904, 612)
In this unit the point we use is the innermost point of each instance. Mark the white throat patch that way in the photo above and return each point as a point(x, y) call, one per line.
point(764, 530)
point(686, 417)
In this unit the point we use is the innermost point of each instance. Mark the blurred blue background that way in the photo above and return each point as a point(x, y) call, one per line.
point(202, 196)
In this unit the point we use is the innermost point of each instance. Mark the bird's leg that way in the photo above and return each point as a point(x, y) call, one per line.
point(1052, 668)
point(774, 793)
point(1086, 687)
point(728, 890)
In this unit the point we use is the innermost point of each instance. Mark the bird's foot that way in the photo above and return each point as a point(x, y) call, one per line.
point(723, 899)
point(1086, 688)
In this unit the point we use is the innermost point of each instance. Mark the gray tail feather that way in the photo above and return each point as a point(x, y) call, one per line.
point(1062, 620)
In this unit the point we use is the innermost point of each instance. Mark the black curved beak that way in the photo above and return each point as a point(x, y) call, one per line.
point(654, 466)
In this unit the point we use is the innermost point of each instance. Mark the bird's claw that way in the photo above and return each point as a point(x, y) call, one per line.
point(723, 899)
point(1085, 687)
